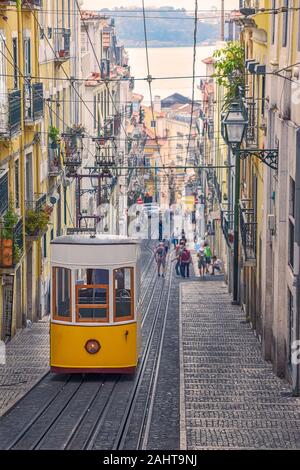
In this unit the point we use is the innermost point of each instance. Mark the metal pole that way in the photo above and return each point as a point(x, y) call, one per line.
point(236, 228)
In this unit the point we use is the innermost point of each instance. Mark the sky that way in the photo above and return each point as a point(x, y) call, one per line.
point(188, 4)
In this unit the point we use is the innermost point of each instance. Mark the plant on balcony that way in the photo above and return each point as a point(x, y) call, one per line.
point(9, 221)
point(78, 129)
point(53, 136)
point(229, 70)
point(36, 222)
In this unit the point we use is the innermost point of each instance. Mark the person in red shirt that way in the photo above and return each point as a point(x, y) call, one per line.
point(185, 260)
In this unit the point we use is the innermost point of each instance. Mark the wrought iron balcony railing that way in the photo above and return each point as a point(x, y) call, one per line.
point(248, 7)
point(54, 161)
point(248, 226)
point(252, 128)
point(33, 102)
point(11, 244)
point(37, 217)
point(10, 113)
point(227, 225)
point(72, 151)
point(62, 44)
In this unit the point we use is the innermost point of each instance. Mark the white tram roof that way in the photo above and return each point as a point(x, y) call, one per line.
point(102, 250)
point(98, 239)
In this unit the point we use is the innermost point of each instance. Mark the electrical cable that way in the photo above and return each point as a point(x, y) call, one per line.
point(149, 79)
point(99, 65)
point(193, 83)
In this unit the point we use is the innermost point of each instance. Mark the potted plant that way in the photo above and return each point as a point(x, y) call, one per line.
point(36, 222)
point(53, 135)
point(9, 221)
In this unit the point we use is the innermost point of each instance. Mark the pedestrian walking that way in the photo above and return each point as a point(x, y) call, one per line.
point(178, 251)
point(201, 261)
point(185, 260)
point(160, 258)
point(183, 237)
point(208, 255)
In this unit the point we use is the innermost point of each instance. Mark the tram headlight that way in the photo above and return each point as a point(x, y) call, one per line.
point(92, 346)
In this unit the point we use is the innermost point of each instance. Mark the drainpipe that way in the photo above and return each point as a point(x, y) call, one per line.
point(296, 374)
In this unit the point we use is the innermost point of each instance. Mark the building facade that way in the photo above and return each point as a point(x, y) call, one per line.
point(269, 184)
point(59, 96)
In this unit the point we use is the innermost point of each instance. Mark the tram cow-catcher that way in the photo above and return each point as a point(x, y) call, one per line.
point(95, 320)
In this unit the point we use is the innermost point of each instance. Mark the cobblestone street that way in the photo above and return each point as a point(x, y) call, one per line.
point(230, 398)
point(27, 360)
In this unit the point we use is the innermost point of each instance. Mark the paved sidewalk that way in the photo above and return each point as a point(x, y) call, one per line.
point(230, 398)
point(27, 360)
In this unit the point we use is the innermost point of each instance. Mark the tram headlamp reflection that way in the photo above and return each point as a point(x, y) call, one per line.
point(92, 346)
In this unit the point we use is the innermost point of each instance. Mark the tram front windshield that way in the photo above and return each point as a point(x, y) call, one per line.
point(92, 294)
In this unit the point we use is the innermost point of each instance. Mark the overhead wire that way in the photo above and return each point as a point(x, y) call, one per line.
point(149, 79)
point(193, 83)
point(99, 65)
point(63, 69)
point(27, 79)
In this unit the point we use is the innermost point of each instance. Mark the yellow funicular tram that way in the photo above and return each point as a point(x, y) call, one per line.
point(95, 322)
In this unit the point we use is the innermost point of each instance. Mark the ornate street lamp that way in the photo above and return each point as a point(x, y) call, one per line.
point(235, 122)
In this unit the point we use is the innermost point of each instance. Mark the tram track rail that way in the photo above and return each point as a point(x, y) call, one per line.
point(142, 440)
point(75, 415)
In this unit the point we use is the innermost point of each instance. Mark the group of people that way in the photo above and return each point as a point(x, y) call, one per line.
point(205, 260)
point(183, 258)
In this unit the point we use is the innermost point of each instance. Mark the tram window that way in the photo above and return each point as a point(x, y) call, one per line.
point(92, 298)
point(61, 278)
point(123, 294)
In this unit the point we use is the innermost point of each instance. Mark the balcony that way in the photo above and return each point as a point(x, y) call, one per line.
point(54, 160)
point(72, 151)
point(37, 217)
point(10, 114)
point(227, 226)
point(252, 128)
point(33, 102)
point(248, 7)
point(11, 244)
point(62, 44)
point(248, 226)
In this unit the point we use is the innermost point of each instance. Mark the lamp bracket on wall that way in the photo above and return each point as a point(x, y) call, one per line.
point(267, 156)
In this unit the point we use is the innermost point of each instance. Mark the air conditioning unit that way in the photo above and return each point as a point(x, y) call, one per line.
point(271, 222)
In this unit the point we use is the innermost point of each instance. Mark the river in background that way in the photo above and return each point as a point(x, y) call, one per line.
point(166, 62)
